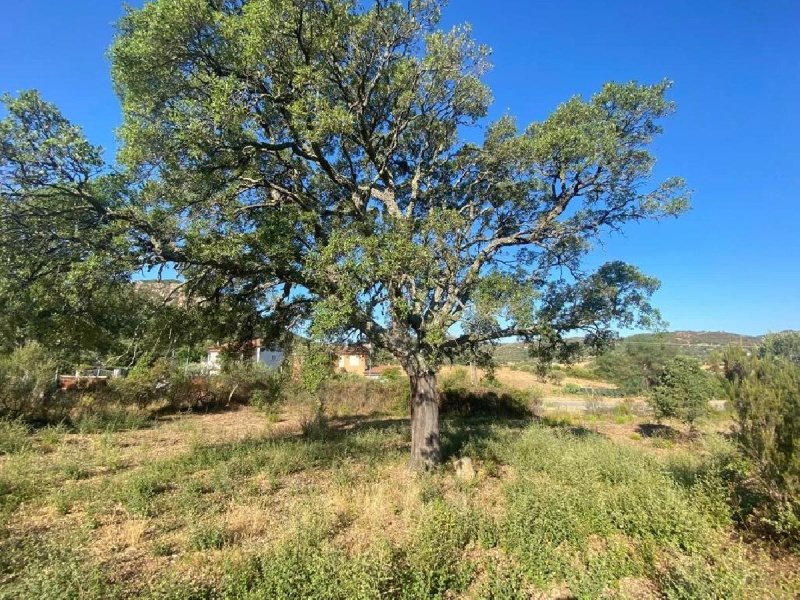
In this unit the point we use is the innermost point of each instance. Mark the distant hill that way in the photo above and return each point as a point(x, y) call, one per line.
point(512, 352)
point(167, 290)
point(693, 343)
point(696, 343)
point(698, 338)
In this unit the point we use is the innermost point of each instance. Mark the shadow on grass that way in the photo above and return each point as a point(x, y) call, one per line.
point(456, 431)
point(658, 430)
point(567, 426)
point(169, 412)
point(374, 438)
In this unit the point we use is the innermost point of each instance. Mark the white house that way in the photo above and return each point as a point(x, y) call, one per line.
point(251, 351)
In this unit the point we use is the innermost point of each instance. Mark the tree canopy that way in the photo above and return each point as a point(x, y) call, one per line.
point(312, 158)
point(785, 344)
point(683, 390)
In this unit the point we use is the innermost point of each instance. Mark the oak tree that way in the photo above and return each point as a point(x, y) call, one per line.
point(317, 158)
point(315, 149)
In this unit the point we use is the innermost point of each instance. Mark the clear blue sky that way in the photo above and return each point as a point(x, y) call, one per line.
point(732, 263)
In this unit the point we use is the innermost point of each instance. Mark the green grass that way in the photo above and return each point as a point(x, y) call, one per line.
point(13, 437)
point(333, 513)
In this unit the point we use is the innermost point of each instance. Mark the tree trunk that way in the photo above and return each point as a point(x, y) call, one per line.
point(425, 448)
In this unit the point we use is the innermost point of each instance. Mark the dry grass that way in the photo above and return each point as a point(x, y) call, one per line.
point(523, 380)
point(194, 494)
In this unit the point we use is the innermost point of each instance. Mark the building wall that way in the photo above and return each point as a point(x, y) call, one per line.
point(351, 363)
point(269, 357)
point(272, 358)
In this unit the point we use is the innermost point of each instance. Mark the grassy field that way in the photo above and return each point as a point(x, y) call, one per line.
point(242, 505)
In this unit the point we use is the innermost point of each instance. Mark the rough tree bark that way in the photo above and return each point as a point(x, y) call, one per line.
point(425, 444)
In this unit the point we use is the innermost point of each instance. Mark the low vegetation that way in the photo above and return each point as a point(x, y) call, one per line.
point(306, 492)
point(237, 505)
point(29, 392)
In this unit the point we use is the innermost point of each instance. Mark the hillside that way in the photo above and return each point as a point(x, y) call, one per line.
point(170, 291)
point(698, 338)
point(694, 343)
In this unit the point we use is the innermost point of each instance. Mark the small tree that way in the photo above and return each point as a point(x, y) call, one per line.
point(683, 391)
point(785, 345)
point(635, 367)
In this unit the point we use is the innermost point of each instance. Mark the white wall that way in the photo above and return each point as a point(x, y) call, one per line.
point(271, 358)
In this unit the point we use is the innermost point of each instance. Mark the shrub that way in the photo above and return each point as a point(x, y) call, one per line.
point(316, 369)
point(239, 380)
point(782, 345)
point(393, 374)
point(263, 400)
point(28, 383)
point(572, 388)
point(315, 427)
point(348, 396)
point(144, 384)
point(579, 372)
point(766, 398)
point(683, 391)
point(634, 367)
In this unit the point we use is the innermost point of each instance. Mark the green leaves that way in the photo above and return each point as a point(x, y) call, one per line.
point(303, 160)
point(683, 391)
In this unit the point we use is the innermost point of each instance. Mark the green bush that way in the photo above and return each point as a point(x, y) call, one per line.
point(782, 345)
point(144, 384)
point(579, 372)
point(765, 393)
point(28, 384)
point(14, 437)
point(264, 400)
point(393, 374)
point(167, 384)
point(238, 380)
point(682, 391)
point(634, 367)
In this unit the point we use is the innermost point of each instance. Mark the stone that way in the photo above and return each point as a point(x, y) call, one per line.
point(465, 470)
